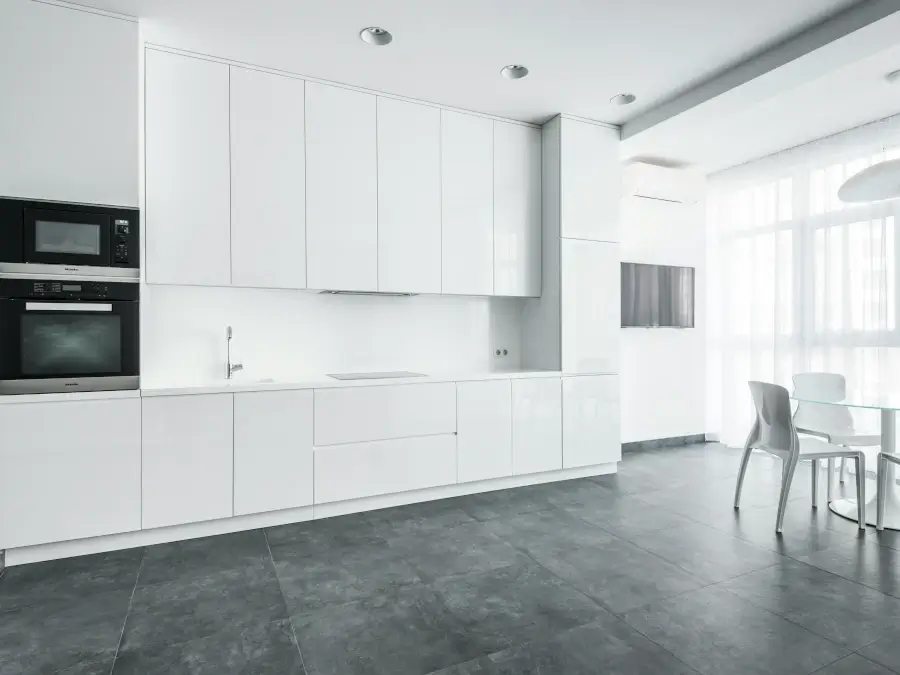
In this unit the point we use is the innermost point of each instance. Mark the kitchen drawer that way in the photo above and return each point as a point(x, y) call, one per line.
point(384, 467)
point(373, 413)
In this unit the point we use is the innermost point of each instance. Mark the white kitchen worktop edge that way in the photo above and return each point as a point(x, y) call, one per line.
point(325, 382)
point(239, 385)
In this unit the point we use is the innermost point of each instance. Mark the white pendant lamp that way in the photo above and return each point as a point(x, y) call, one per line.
point(875, 184)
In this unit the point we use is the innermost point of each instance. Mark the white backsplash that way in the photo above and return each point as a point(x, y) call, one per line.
point(281, 334)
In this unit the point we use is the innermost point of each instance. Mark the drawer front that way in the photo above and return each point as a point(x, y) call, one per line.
point(360, 470)
point(358, 414)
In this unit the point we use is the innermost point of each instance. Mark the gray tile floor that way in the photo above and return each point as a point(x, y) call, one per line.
point(646, 572)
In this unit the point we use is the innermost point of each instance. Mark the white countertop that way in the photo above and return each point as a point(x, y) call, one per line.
point(246, 383)
point(316, 381)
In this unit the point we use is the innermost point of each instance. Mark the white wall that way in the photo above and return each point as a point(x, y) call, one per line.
point(662, 370)
point(294, 333)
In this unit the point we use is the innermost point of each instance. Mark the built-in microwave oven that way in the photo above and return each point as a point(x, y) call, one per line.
point(52, 238)
point(68, 335)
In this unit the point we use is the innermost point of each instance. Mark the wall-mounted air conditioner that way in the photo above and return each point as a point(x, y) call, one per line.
point(648, 181)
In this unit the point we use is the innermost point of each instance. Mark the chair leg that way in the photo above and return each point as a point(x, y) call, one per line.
point(829, 486)
point(861, 489)
point(745, 459)
point(787, 477)
point(815, 483)
point(843, 469)
point(882, 494)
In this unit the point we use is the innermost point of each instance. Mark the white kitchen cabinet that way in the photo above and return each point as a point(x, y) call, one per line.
point(590, 306)
point(69, 470)
point(517, 210)
point(591, 420)
point(352, 414)
point(188, 175)
point(467, 204)
point(484, 437)
point(69, 121)
point(537, 425)
point(409, 197)
point(268, 180)
point(341, 189)
point(273, 451)
point(358, 470)
point(187, 467)
point(591, 181)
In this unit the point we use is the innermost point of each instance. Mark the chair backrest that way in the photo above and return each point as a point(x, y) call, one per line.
point(774, 429)
point(822, 417)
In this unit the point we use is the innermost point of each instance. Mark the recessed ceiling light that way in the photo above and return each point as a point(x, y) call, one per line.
point(376, 36)
point(514, 72)
point(623, 99)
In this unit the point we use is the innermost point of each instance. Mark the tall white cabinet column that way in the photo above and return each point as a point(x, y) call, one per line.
point(575, 324)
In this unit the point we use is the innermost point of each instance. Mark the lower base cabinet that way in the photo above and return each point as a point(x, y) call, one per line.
point(484, 430)
point(273, 451)
point(537, 425)
point(590, 420)
point(188, 467)
point(69, 470)
point(356, 470)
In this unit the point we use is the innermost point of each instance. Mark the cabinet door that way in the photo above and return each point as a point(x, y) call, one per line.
point(537, 425)
point(467, 204)
point(273, 451)
point(69, 470)
point(590, 306)
point(484, 436)
point(69, 122)
point(268, 181)
point(188, 466)
point(517, 210)
point(409, 197)
point(591, 420)
point(591, 181)
point(188, 217)
point(341, 189)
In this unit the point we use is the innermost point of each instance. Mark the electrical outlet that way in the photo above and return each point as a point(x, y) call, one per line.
point(501, 352)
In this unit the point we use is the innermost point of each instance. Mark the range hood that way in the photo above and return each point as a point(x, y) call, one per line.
point(384, 294)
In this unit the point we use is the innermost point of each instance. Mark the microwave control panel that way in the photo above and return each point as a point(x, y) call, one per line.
point(121, 236)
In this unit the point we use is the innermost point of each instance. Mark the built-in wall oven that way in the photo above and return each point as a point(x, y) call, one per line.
point(55, 238)
point(68, 335)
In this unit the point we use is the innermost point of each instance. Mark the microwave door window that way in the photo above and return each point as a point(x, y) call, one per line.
point(69, 344)
point(52, 236)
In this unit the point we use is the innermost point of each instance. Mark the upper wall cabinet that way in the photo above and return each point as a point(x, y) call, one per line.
point(409, 197)
point(517, 210)
point(341, 189)
point(268, 191)
point(188, 215)
point(591, 185)
point(467, 169)
point(69, 121)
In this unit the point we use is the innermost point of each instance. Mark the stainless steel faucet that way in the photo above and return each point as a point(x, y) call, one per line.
point(230, 368)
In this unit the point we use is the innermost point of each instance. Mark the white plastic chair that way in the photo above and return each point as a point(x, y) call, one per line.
point(834, 423)
point(883, 459)
point(774, 432)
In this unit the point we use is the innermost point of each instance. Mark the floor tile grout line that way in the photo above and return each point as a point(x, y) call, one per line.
point(283, 597)
point(137, 578)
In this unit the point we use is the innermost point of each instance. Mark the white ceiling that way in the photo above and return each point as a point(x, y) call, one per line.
point(580, 52)
point(843, 99)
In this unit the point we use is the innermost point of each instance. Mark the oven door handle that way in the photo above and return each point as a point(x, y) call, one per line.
point(67, 307)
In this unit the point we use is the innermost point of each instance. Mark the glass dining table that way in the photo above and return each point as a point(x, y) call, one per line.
point(888, 402)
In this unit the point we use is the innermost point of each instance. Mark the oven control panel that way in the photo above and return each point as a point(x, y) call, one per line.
point(72, 291)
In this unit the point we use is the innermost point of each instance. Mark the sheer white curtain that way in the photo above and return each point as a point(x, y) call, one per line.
point(799, 281)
